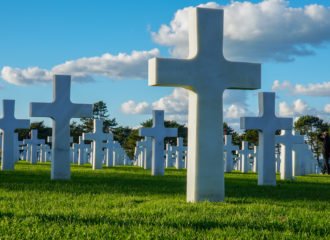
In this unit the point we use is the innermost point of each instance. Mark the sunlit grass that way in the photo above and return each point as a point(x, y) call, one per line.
point(127, 203)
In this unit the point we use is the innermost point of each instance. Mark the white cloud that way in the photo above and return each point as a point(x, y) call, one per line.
point(175, 105)
point(269, 30)
point(311, 89)
point(297, 108)
point(131, 107)
point(128, 66)
point(327, 108)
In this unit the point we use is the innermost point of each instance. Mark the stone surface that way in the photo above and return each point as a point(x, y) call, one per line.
point(158, 132)
point(8, 124)
point(206, 74)
point(179, 152)
point(99, 138)
point(266, 124)
point(61, 110)
point(109, 150)
point(287, 140)
point(228, 148)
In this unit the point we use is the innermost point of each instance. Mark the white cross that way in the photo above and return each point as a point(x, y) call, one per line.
point(8, 124)
point(168, 156)
point(206, 74)
point(98, 137)
point(109, 150)
point(244, 156)
point(158, 132)
point(81, 146)
point(228, 147)
point(287, 140)
point(17, 144)
point(266, 123)
point(178, 149)
point(33, 144)
point(61, 110)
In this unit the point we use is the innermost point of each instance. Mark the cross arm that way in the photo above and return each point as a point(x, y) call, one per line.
point(22, 123)
point(244, 75)
point(82, 110)
point(250, 123)
point(170, 72)
point(40, 110)
point(171, 132)
point(88, 136)
point(146, 132)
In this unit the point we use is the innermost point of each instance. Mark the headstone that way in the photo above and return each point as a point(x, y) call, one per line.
point(287, 140)
point(61, 110)
point(206, 74)
point(158, 132)
point(179, 149)
point(228, 148)
point(82, 158)
point(33, 145)
point(147, 152)
point(255, 159)
point(245, 156)
point(17, 144)
point(98, 137)
point(266, 123)
point(8, 124)
point(168, 156)
point(109, 150)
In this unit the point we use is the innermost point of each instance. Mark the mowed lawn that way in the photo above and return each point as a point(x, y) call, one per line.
point(127, 203)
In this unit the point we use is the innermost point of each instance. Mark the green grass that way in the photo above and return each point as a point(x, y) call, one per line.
point(127, 203)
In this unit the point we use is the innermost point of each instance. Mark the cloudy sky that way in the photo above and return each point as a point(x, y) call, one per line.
point(105, 46)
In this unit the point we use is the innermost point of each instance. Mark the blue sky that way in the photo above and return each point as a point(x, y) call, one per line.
point(44, 34)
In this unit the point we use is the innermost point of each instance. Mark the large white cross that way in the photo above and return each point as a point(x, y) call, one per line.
point(228, 148)
point(8, 124)
point(33, 145)
point(158, 132)
point(206, 74)
point(267, 124)
point(287, 140)
point(98, 137)
point(61, 110)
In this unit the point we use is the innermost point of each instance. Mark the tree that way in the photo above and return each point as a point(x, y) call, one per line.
point(312, 127)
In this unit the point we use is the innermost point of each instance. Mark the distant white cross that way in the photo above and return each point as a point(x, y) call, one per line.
point(158, 132)
point(98, 137)
point(33, 145)
point(228, 148)
point(245, 153)
point(206, 74)
point(61, 110)
point(287, 140)
point(179, 151)
point(8, 124)
point(267, 124)
point(109, 150)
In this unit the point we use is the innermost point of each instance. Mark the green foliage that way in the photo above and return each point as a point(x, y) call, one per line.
point(252, 136)
point(312, 127)
point(128, 203)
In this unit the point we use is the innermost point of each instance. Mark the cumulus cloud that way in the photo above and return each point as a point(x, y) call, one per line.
point(121, 66)
point(311, 89)
point(297, 108)
point(175, 105)
point(327, 108)
point(269, 30)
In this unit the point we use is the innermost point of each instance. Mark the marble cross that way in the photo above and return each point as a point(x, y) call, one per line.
point(33, 145)
point(244, 156)
point(228, 148)
point(8, 124)
point(61, 110)
point(158, 132)
point(98, 137)
point(109, 150)
point(267, 124)
point(206, 74)
point(287, 140)
point(179, 150)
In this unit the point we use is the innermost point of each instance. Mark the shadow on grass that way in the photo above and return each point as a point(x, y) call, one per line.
point(136, 181)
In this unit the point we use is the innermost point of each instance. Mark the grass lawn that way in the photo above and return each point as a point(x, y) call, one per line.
point(127, 203)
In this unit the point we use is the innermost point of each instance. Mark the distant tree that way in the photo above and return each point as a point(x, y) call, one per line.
point(312, 127)
point(227, 130)
point(100, 111)
point(252, 136)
